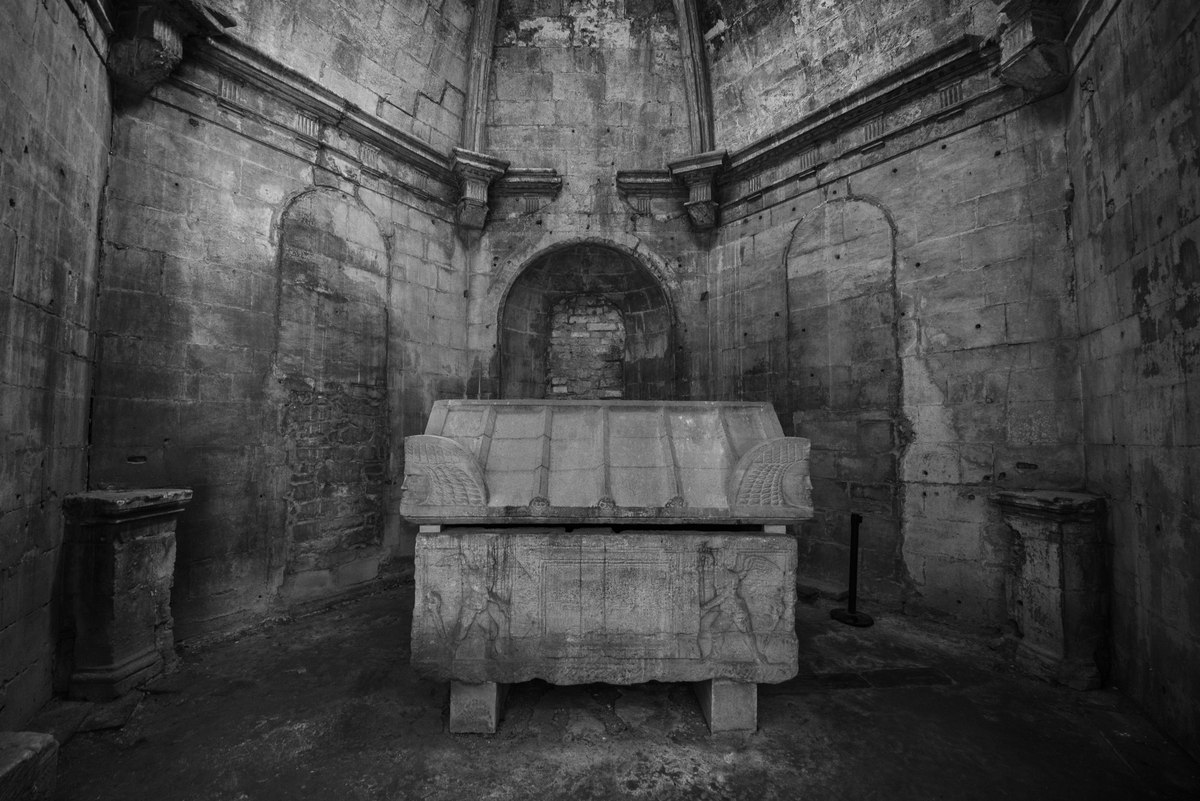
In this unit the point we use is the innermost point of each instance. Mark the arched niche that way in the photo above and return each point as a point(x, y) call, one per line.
point(331, 371)
point(845, 374)
point(590, 275)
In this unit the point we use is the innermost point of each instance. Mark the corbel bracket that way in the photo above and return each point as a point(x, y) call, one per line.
point(699, 173)
point(1033, 53)
point(475, 173)
point(147, 44)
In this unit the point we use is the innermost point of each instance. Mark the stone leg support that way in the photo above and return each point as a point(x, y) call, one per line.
point(476, 708)
point(728, 705)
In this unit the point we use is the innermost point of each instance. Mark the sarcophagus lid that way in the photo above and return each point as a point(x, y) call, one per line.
point(604, 462)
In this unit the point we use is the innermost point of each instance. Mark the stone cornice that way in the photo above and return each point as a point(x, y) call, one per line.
point(529, 182)
point(950, 90)
point(867, 108)
point(246, 65)
point(641, 188)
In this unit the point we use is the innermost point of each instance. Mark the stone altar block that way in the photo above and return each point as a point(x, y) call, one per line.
point(605, 541)
point(1057, 583)
point(120, 565)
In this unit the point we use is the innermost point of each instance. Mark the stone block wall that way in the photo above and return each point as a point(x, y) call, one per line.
point(774, 61)
point(590, 89)
point(586, 353)
point(528, 358)
point(279, 301)
point(54, 132)
point(908, 307)
point(403, 61)
point(1133, 135)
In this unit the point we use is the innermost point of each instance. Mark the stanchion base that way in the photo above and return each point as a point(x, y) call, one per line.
point(860, 619)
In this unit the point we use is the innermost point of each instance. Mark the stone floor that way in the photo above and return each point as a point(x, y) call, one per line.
point(326, 707)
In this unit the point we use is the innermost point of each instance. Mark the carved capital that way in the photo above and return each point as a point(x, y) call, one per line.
point(699, 173)
point(475, 173)
point(1033, 54)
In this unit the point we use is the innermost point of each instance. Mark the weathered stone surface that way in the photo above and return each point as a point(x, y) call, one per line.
point(1058, 584)
point(54, 142)
point(783, 59)
point(512, 604)
point(120, 569)
point(27, 766)
point(951, 294)
point(1136, 245)
point(476, 708)
point(599, 461)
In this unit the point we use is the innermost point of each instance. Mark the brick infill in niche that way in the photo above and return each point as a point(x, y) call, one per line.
point(586, 353)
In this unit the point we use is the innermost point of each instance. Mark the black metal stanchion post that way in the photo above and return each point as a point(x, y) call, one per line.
point(850, 615)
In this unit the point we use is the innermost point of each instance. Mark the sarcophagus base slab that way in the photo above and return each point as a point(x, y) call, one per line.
point(510, 604)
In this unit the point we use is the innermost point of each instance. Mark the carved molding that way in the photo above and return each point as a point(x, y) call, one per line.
point(641, 188)
point(946, 91)
point(697, 87)
point(526, 190)
point(318, 106)
point(699, 173)
point(475, 173)
point(479, 70)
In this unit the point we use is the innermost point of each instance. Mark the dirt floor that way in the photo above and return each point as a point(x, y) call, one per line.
point(327, 707)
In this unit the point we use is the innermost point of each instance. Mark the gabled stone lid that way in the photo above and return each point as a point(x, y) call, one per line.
point(605, 462)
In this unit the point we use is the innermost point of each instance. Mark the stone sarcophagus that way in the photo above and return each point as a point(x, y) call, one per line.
point(613, 541)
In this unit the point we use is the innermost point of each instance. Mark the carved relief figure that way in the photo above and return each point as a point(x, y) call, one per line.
point(479, 626)
point(727, 625)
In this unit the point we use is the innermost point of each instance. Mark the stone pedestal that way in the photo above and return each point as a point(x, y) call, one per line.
point(498, 605)
point(120, 563)
point(1057, 584)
